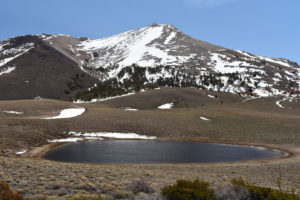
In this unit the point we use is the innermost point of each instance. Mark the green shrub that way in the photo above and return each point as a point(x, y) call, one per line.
point(188, 190)
point(264, 193)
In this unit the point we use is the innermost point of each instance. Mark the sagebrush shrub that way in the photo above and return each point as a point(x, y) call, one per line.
point(189, 190)
point(7, 194)
point(140, 186)
point(232, 193)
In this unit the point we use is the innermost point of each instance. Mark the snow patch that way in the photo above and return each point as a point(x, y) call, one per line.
point(170, 37)
point(166, 106)
point(278, 103)
point(222, 65)
point(12, 112)
point(104, 99)
point(7, 70)
point(66, 140)
point(211, 96)
point(130, 109)
point(204, 118)
point(262, 92)
point(21, 152)
point(276, 61)
point(246, 54)
point(16, 52)
point(68, 113)
point(112, 135)
point(6, 60)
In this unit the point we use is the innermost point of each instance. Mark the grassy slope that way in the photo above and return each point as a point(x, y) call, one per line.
point(257, 120)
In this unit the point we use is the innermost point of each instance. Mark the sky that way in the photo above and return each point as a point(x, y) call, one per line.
point(262, 27)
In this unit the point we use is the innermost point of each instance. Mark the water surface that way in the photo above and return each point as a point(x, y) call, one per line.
point(152, 151)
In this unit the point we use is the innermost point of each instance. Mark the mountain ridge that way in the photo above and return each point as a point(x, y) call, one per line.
point(163, 55)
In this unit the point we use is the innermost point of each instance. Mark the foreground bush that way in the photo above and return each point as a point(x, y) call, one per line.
point(189, 190)
point(263, 193)
point(7, 194)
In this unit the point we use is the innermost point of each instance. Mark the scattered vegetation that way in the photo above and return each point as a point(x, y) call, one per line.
point(239, 190)
point(181, 190)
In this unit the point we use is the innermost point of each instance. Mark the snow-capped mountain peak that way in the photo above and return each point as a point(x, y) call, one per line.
point(157, 44)
point(163, 56)
point(164, 45)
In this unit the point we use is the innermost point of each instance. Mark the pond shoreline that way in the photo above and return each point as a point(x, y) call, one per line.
point(39, 152)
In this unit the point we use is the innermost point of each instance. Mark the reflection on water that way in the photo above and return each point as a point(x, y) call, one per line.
point(144, 151)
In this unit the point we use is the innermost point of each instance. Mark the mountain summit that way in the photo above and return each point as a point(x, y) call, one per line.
point(60, 66)
point(156, 44)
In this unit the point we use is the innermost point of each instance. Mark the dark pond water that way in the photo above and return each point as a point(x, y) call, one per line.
point(145, 151)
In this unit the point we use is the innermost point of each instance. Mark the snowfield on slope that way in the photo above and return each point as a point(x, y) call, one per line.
point(68, 113)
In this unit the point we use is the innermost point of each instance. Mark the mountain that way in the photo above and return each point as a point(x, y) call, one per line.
point(32, 66)
point(60, 66)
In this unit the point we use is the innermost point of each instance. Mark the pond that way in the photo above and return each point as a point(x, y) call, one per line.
point(155, 151)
